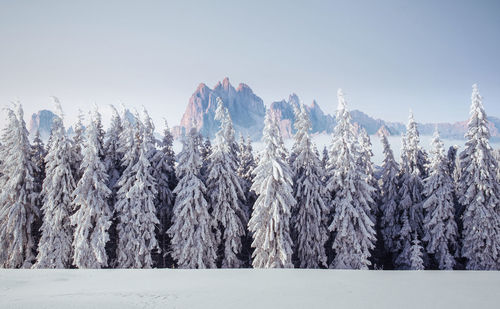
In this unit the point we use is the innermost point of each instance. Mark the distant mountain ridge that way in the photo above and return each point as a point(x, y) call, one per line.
point(251, 110)
point(247, 111)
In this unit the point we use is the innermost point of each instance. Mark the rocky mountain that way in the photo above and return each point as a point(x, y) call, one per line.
point(247, 110)
point(41, 121)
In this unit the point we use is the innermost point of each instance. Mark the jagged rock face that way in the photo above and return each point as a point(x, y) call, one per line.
point(42, 121)
point(246, 109)
point(284, 109)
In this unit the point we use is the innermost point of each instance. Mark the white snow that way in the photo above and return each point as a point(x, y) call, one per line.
point(247, 288)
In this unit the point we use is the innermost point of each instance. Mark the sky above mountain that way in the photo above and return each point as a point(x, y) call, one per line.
point(388, 56)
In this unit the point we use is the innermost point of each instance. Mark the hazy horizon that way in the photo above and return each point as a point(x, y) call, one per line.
point(388, 56)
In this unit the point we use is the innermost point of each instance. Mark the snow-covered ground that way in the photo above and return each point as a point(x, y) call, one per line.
point(247, 288)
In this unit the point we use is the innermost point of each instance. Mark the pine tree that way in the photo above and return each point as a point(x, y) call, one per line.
point(113, 155)
point(270, 220)
point(225, 192)
point(97, 119)
point(54, 249)
point(76, 148)
point(365, 162)
point(389, 198)
point(325, 158)
point(416, 260)
point(353, 230)
point(193, 243)
point(114, 170)
point(440, 229)
point(479, 193)
point(205, 152)
point(246, 166)
point(135, 207)
point(308, 219)
point(18, 196)
point(410, 193)
point(92, 217)
point(164, 174)
point(38, 153)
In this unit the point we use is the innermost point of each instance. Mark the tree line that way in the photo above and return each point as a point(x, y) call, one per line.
point(121, 198)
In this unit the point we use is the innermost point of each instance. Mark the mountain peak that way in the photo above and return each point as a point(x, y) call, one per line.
point(246, 109)
point(42, 121)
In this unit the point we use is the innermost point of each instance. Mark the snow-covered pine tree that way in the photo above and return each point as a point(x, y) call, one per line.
point(440, 229)
point(246, 162)
point(225, 193)
point(205, 152)
point(18, 209)
point(246, 166)
point(193, 245)
point(410, 193)
point(54, 249)
point(97, 118)
point(479, 193)
point(270, 220)
point(163, 171)
point(76, 147)
point(38, 153)
point(365, 162)
point(112, 161)
point(113, 156)
point(353, 230)
point(324, 158)
point(92, 218)
point(309, 217)
point(452, 159)
point(135, 207)
point(389, 198)
point(416, 256)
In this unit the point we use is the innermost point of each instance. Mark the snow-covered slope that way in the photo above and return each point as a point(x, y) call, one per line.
point(247, 288)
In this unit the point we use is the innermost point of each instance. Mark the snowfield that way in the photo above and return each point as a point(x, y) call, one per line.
point(248, 288)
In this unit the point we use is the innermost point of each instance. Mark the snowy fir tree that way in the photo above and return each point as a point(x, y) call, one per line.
point(410, 214)
point(440, 229)
point(270, 220)
point(18, 196)
point(55, 247)
point(135, 207)
point(193, 244)
point(76, 148)
point(416, 261)
point(97, 119)
point(479, 192)
point(246, 166)
point(113, 156)
point(92, 218)
point(205, 152)
point(324, 157)
point(38, 153)
point(308, 217)
point(365, 162)
point(352, 227)
point(162, 164)
point(416, 171)
point(112, 162)
point(225, 193)
point(389, 198)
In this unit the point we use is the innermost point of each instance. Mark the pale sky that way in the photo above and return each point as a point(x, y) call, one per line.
point(388, 56)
